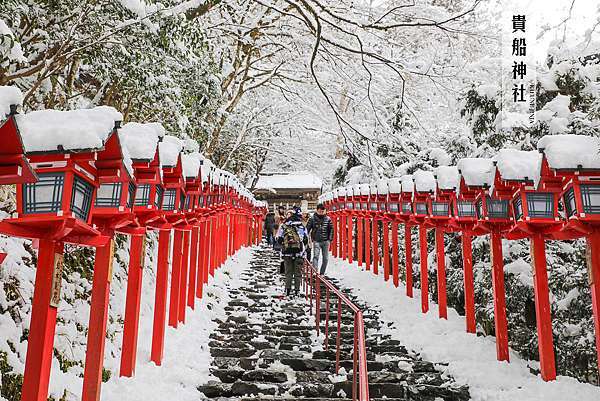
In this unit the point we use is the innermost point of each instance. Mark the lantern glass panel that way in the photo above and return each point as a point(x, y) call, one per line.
point(540, 204)
point(569, 200)
point(81, 198)
point(393, 207)
point(142, 195)
point(108, 195)
point(45, 195)
point(466, 209)
point(131, 195)
point(357, 205)
point(181, 200)
point(590, 195)
point(406, 207)
point(479, 209)
point(518, 207)
point(169, 199)
point(201, 201)
point(364, 206)
point(349, 205)
point(497, 208)
point(189, 202)
point(421, 208)
point(374, 206)
point(158, 196)
point(439, 208)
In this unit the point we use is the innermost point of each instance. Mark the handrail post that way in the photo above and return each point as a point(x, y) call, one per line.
point(318, 303)
point(327, 319)
point(339, 334)
point(355, 361)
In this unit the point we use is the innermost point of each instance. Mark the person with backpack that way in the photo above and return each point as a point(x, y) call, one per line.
point(320, 228)
point(293, 239)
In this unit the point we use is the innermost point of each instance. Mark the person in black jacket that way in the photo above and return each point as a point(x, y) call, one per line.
point(270, 227)
point(320, 229)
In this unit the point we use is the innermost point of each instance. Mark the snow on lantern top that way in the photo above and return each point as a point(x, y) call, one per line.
point(340, 192)
point(73, 130)
point(570, 152)
point(207, 166)
point(519, 165)
point(169, 150)
point(382, 186)
point(448, 177)
point(191, 146)
point(394, 185)
point(407, 183)
point(365, 189)
point(424, 181)
point(191, 164)
point(9, 96)
point(356, 190)
point(477, 172)
point(141, 139)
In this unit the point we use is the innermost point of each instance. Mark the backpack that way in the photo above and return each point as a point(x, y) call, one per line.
point(291, 239)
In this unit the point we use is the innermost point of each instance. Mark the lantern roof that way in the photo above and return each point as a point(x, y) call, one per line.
point(476, 172)
point(9, 96)
point(382, 186)
point(170, 149)
point(394, 185)
point(191, 163)
point(141, 139)
point(67, 131)
point(571, 152)
point(424, 181)
point(407, 183)
point(365, 189)
point(519, 165)
point(448, 177)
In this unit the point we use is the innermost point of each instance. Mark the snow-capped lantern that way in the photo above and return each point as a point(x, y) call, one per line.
point(174, 196)
point(447, 182)
point(574, 160)
point(341, 193)
point(534, 208)
point(407, 186)
point(142, 143)
point(394, 205)
point(424, 190)
point(382, 194)
point(365, 192)
point(356, 198)
point(62, 147)
point(373, 200)
point(349, 199)
point(476, 174)
point(192, 164)
point(113, 208)
point(14, 167)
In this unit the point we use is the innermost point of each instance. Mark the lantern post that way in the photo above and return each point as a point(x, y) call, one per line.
point(474, 175)
point(394, 215)
point(362, 228)
point(382, 202)
point(373, 212)
point(494, 217)
point(350, 221)
point(572, 160)
point(56, 210)
point(424, 187)
point(407, 186)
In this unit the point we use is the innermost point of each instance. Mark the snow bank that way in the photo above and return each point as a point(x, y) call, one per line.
point(9, 95)
point(471, 359)
point(169, 150)
point(556, 114)
point(191, 164)
point(571, 151)
point(141, 140)
point(519, 165)
point(447, 177)
point(476, 172)
point(187, 356)
point(297, 180)
point(408, 185)
point(46, 130)
point(395, 185)
point(424, 181)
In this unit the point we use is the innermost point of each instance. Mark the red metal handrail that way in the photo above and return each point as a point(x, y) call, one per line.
point(312, 284)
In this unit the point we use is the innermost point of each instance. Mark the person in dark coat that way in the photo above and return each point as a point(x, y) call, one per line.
point(320, 229)
point(293, 239)
point(269, 227)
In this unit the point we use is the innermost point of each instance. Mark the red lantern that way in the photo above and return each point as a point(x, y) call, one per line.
point(395, 217)
point(382, 200)
point(406, 195)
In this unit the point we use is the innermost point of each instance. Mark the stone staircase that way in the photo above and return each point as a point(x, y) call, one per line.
point(267, 348)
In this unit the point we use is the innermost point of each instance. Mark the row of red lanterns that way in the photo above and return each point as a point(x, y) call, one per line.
point(549, 194)
point(81, 178)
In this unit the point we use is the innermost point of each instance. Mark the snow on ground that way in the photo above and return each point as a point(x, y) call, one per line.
point(471, 359)
point(186, 355)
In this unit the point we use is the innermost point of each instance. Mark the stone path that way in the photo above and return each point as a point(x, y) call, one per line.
point(267, 348)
